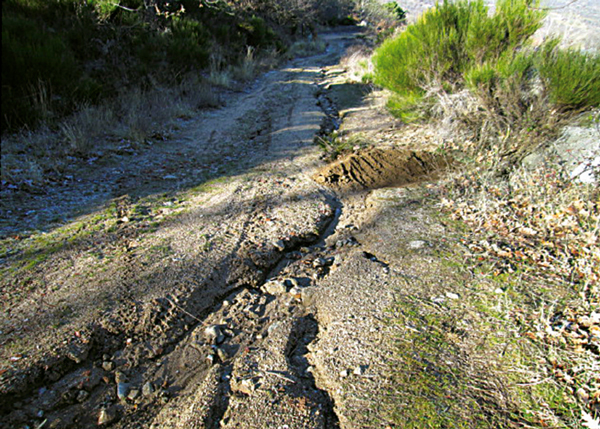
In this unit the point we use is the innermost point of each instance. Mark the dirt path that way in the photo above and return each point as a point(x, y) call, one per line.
point(189, 302)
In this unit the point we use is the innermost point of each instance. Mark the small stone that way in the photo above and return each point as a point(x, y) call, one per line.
point(296, 292)
point(133, 394)
point(120, 377)
point(499, 291)
point(108, 366)
point(582, 394)
point(360, 370)
point(274, 287)
point(344, 373)
point(56, 423)
point(319, 262)
point(223, 356)
point(417, 244)
point(279, 245)
point(585, 321)
point(148, 389)
point(248, 386)
point(452, 295)
point(82, 396)
point(106, 416)
point(78, 352)
point(122, 391)
point(212, 332)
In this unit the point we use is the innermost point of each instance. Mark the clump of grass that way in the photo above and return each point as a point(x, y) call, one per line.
point(524, 94)
point(572, 77)
point(305, 48)
point(537, 230)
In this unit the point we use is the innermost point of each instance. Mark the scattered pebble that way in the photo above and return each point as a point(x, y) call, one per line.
point(212, 333)
point(122, 391)
point(106, 416)
point(417, 244)
point(279, 245)
point(148, 389)
point(133, 394)
point(82, 395)
point(223, 356)
point(108, 366)
point(360, 370)
point(274, 287)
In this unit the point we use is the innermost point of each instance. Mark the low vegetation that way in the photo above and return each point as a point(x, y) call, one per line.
point(530, 235)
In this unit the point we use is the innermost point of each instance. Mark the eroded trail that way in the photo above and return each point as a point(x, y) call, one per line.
point(197, 320)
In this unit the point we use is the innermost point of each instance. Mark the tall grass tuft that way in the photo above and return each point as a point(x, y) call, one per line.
point(571, 77)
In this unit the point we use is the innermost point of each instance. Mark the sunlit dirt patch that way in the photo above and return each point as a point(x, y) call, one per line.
point(378, 168)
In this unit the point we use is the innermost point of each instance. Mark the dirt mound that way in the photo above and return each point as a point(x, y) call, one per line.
point(377, 168)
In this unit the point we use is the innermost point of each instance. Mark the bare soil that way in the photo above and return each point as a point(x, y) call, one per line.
point(378, 168)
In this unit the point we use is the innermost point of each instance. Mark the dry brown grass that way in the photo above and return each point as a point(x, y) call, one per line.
point(30, 156)
point(532, 240)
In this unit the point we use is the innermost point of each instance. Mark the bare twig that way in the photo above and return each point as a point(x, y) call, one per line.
point(183, 310)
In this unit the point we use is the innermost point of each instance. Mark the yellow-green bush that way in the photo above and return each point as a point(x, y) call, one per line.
point(571, 77)
point(450, 40)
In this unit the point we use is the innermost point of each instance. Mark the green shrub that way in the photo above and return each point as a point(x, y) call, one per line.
point(571, 77)
point(188, 45)
point(409, 107)
point(503, 84)
point(32, 56)
point(454, 42)
point(396, 11)
point(511, 27)
point(451, 38)
point(257, 32)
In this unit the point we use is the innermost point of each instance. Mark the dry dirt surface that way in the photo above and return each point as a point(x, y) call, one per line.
point(226, 277)
point(191, 289)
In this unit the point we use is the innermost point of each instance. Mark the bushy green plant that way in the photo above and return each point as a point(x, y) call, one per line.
point(31, 55)
point(511, 26)
point(395, 10)
point(188, 46)
point(503, 84)
point(571, 77)
point(454, 41)
point(409, 107)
